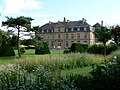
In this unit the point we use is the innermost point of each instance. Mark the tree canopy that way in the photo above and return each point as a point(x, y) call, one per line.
point(116, 34)
point(103, 34)
point(19, 24)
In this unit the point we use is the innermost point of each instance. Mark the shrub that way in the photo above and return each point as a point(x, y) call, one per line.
point(77, 47)
point(6, 50)
point(22, 50)
point(96, 49)
point(114, 55)
point(111, 48)
point(67, 51)
point(99, 49)
point(42, 48)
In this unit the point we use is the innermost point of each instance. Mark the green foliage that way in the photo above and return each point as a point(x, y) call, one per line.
point(116, 34)
point(22, 50)
point(113, 55)
point(14, 41)
point(42, 48)
point(79, 82)
point(27, 42)
point(67, 51)
point(6, 50)
point(111, 48)
point(18, 23)
point(77, 47)
point(96, 49)
point(16, 78)
point(99, 49)
point(61, 61)
point(103, 34)
point(5, 45)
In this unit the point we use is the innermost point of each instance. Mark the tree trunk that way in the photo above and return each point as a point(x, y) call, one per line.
point(105, 51)
point(18, 46)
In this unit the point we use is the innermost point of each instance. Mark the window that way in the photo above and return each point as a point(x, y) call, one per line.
point(45, 30)
point(58, 36)
point(59, 29)
point(47, 36)
point(81, 28)
point(78, 35)
point(52, 43)
point(85, 35)
point(75, 29)
point(69, 29)
point(72, 42)
point(66, 43)
point(49, 30)
point(66, 36)
point(78, 41)
point(52, 36)
point(85, 42)
point(59, 44)
point(72, 36)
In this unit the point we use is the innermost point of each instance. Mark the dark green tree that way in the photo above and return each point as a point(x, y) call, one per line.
point(116, 34)
point(103, 34)
point(5, 45)
point(0, 37)
point(14, 41)
point(18, 24)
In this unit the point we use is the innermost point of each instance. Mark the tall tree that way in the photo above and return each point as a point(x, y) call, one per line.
point(103, 34)
point(18, 24)
point(116, 34)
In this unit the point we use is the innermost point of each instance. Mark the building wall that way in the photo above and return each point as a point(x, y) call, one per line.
point(65, 39)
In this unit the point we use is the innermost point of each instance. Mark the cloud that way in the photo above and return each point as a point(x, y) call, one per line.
point(17, 6)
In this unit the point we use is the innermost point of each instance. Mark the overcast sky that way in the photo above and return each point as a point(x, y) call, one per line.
point(44, 11)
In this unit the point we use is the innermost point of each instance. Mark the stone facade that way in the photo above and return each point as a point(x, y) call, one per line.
point(63, 34)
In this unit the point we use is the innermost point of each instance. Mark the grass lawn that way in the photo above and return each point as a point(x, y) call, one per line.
point(82, 71)
point(56, 51)
point(9, 60)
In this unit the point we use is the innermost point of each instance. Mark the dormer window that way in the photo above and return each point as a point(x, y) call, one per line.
point(75, 29)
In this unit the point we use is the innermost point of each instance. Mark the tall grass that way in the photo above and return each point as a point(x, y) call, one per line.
point(61, 61)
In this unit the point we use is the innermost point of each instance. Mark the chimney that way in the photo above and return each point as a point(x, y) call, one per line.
point(101, 23)
point(64, 20)
point(83, 20)
point(50, 22)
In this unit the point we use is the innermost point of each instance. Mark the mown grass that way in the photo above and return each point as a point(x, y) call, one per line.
point(7, 60)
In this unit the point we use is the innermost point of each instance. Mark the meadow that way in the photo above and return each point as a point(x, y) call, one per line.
point(75, 63)
point(55, 71)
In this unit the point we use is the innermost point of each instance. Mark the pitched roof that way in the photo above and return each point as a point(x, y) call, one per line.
point(77, 24)
point(96, 25)
point(70, 24)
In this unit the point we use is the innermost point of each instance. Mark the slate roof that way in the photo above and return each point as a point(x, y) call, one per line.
point(66, 24)
point(77, 24)
point(96, 25)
